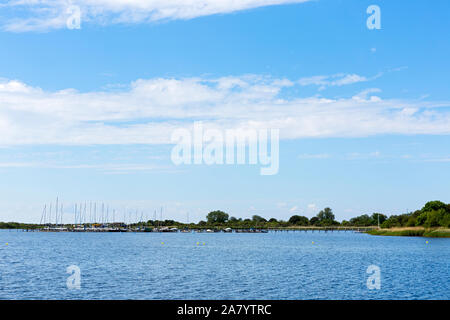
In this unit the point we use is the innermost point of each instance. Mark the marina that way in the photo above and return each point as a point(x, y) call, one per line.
point(86, 218)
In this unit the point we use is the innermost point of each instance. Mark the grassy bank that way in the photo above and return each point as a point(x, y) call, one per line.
point(412, 232)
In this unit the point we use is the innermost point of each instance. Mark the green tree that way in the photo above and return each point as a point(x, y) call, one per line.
point(395, 221)
point(445, 220)
point(299, 220)
point(326, 214)
point(258, 219)
point(233, 220)
point(434, 218)
point(169, 222)
point(326, 217)
point(434, 214)
point(375, 216)
point(217, 217)
point(434, 206)
point(314, 221)
point(363, 220)
point(412, 221)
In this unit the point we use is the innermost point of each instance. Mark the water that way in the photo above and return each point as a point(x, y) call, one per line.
point(282, 265)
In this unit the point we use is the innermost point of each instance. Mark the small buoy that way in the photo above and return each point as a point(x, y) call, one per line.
point(426, 242)
point(162, 242)
point(198, 243)
point(7, 243)
point(313, 242)
point(203, 243)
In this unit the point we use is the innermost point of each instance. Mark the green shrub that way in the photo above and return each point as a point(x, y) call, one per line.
point(434, 218)
point(438, 234)
point(411, 222)
point(421, 219)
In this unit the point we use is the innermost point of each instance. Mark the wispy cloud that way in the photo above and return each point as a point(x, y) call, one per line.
point(359, 155)
point(441, 159)
point(110, 168)
point(314, 156)
point(43, 15)
point(336, 80)
point(148, 110)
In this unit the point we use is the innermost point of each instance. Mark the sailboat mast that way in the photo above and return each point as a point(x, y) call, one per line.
point(43, 214)
point(50, 215)
point(56, 216)
point(79, 214)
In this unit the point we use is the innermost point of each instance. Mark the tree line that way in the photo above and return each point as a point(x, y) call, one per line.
point(433, 214)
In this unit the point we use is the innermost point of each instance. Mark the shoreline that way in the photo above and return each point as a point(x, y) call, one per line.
point(71, 228)
point(412, 232)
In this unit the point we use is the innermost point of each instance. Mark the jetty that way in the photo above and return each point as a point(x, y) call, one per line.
point(121, 227)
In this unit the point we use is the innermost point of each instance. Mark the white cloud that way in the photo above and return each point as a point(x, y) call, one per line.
point(333, 80)
point(148, 110)
point(359, 156)
point(314, 156)
point(42, 15)
point(110, 168)
point(442, 159)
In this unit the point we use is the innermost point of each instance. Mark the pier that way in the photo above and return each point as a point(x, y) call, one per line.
point(125, 228)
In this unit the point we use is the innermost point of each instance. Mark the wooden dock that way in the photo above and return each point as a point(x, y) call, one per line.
point(208, 230)
point(325, 229)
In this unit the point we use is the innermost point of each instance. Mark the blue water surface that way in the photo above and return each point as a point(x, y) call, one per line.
point(276, 265)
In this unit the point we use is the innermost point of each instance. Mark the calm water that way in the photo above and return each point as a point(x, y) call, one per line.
point(227, 266)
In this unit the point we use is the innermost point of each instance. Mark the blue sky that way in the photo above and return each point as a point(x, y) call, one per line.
point(87, 114)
